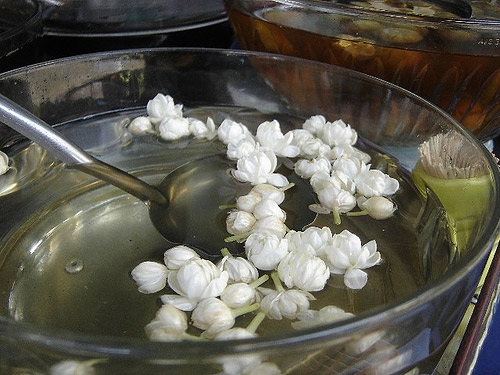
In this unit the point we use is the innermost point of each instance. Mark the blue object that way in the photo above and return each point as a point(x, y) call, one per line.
point(488, 362)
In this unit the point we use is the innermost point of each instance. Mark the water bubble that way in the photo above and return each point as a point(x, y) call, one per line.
point(74, 266)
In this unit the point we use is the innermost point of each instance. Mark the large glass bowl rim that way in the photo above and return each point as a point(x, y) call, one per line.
point(66, 341)
point(474, 24)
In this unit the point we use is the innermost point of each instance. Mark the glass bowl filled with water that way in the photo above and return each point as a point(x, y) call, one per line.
point(68, 242)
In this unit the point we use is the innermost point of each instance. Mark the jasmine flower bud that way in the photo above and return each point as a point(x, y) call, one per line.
point(373, 182)
point(150, 277)
point(239, 222)
point(235, 333)
point(269, 135)
point(377, 207)
point(248, 201)
point(304, 271)
point(202, 130)
point(230, 131)
point(169, 324)
point(264, 368)
point(173, 128)
point(213, 316)
point(163, 106)
point(198, 279)
point(140, 125)
point(176, 256)
point(258, 168)
point(307, 168)
point(238, 269)
point(271, 225)
point(327, 314)
point(268, 207)
point(265, 251)
point(70, 367)
point(238, 295)
point(267, 191)
point(4, 163)
point(284, 304)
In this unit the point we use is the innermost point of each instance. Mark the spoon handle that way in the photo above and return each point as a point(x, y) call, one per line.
point(35, 129)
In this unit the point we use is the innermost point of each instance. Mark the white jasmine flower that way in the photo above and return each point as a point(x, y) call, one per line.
point(305, 271)
point(242, 294)
point(268, 207)
point(373, 183)
point(258, 168)
point(315, 124)
point(349, 152)
point(70, 367)
point(238, 295)
point(202, 130)
point(267, 191)
point(336, 200)
point(347, 256)
point(239, 222)
point(377, 207)
point(248, 201)
point(270, 225)
point(4, 163)
point(239, 269)
point(315, 148)
point(176, 256)
point(312, 240)
point(140, 125)
point(284, 304)
point(307, 168)
point(269, 135)
point(173, 128)
point(351, 167)
point(213, 316)
point(150, 277)
point(241, 147)
point(235, 333)
point(230, 131)
point(301, 135)
point(161, 107)
point(265, 251)
point(338, 133)
point(264, 368)
point(169, 324)
point(196, 280)
point(327, 314)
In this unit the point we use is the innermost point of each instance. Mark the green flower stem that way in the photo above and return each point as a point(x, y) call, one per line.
point(255, 323)
point(225, 252)
point(237, 237)
point(245, 309)
point(465, 200)
point(261, 280)
point(277, 282)
point(336, 217)
point(356, 213)
point(227, 206)
point(286, 187)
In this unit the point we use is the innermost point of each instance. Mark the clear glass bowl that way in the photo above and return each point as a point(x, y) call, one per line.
point(448, 58)
point(95, 18)
point(52, 217)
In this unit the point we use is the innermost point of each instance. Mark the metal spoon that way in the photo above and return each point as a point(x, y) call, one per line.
point(185, 206)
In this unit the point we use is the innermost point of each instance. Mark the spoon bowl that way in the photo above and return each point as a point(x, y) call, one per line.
point(201, 186)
